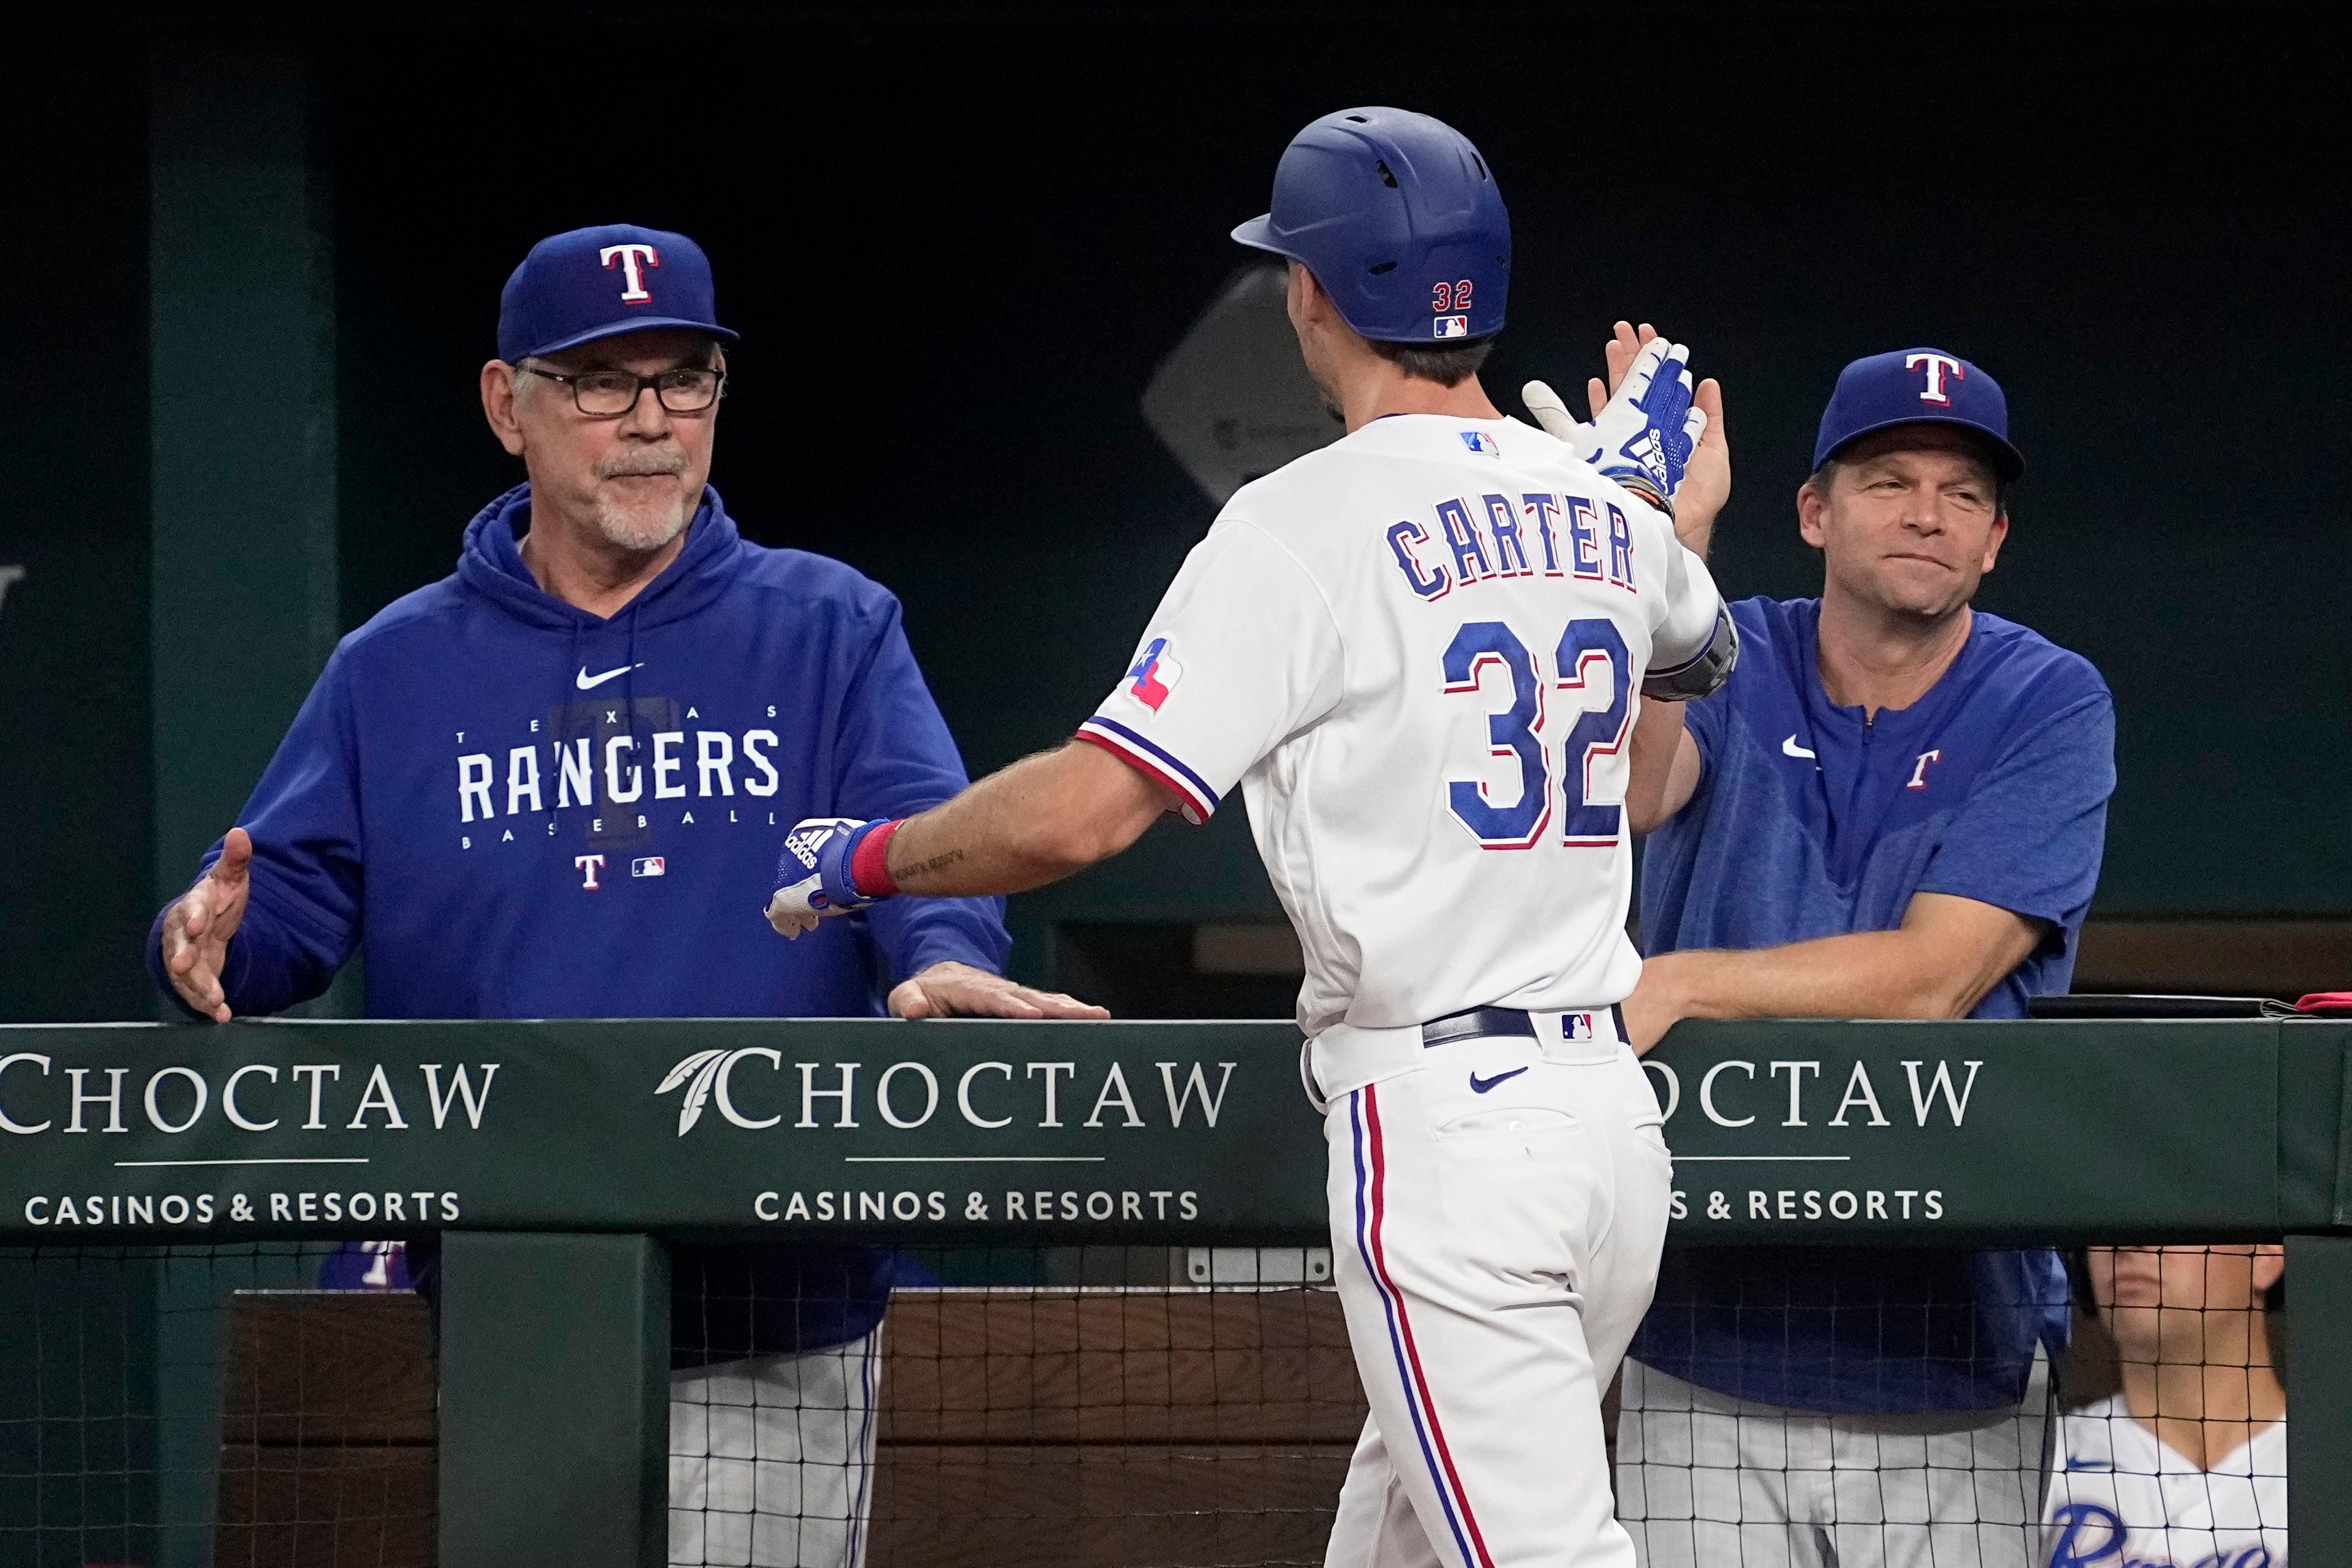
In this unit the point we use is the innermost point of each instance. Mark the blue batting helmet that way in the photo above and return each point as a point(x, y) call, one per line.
point(1399, 219)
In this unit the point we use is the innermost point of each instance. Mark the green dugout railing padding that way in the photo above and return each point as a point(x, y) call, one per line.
point(552, 1156)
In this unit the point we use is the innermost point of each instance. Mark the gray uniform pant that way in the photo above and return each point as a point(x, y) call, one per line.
point(771, 1460)
point(1707, 1481)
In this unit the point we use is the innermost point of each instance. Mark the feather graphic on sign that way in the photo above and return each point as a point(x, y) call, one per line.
point(697, 1092)
point(702, 1067)
point(686, 1069)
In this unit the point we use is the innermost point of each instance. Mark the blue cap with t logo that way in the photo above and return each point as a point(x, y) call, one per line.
point(592, 283)
point(1916, 386)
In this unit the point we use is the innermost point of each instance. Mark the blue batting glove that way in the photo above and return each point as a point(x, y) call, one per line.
point(1643, 436)
point(813, 873)
point(1649, 427)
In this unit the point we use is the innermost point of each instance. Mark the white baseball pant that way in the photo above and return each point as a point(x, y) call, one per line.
point(1703, 1478)
point(1496, 1218)
point(771, 1460)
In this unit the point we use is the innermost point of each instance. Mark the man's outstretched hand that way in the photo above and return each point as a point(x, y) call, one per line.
point(958, 990)
point(197, 929)
point(1706, 475)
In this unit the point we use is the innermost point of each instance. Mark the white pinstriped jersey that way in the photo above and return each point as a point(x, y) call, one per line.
point(1418, 651)
point(2120, 1498)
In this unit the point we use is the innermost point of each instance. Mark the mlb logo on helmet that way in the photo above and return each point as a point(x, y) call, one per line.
point(1396, 215)
point(648, 865)
point(592, 283)
point(1154, 674)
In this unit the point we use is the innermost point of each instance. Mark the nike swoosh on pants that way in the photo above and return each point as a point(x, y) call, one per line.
point(1480, 1085)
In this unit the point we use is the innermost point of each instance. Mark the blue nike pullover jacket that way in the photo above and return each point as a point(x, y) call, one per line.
point(516, 809)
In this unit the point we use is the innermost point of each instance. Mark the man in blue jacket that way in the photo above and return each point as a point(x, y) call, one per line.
point(552, 785)
point(1894, 809)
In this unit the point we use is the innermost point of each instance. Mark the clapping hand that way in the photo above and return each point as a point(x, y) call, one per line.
point(1651, 423)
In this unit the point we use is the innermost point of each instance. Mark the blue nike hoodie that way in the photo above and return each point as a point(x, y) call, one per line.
point(517, 809)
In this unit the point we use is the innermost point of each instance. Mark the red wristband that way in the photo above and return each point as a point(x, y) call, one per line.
point(1642, 490)
point(869, 863)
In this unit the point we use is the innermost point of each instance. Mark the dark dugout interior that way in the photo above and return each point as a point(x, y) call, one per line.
point(957, 243)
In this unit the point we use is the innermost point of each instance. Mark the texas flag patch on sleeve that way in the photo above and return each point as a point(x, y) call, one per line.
point(1149, 680)
point(1154, 675)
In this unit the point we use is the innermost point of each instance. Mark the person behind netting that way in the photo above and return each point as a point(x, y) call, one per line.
point(2185, 1466)
point(1894, 809)
point(547, 786)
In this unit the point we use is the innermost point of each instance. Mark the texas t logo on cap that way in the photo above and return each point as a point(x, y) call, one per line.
point(564, 292)
point(630, 255)
point(1937, 367)
point(1917, 386)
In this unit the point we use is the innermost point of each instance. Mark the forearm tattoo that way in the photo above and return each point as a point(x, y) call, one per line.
point(924, 870)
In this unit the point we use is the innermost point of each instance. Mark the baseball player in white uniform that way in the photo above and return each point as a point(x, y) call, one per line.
point(2185, 1467)
point(1417, 651)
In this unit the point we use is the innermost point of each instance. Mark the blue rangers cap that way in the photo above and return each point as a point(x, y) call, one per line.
point(1400, 220)
point(1916, 386)
point(592, 283)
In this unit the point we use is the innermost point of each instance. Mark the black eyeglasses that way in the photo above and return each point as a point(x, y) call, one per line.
point(609, 393)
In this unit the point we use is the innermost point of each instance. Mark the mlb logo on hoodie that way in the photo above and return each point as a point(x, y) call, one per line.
point(648, 865)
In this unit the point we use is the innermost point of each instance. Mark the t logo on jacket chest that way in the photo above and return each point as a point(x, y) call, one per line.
point(1919, 768)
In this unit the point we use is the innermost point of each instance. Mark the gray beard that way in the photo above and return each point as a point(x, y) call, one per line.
point(642, 530)
point(644, 527)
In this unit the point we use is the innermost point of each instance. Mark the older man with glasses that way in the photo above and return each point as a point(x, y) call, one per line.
point(550, 784)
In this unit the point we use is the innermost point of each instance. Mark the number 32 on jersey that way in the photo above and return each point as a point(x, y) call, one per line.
point(1590, 652)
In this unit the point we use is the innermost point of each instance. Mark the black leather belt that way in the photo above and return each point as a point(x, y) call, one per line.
point(1477, 1024)
point(1486, 1023)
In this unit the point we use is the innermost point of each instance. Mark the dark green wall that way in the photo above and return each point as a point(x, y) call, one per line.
point(958, 251)
point(78, 1385)
point(242, 429)
point(74, 771)
point(956, 266)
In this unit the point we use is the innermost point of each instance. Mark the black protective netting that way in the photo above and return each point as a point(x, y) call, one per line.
point(1128, 1406)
